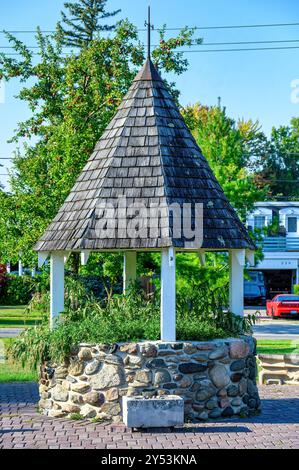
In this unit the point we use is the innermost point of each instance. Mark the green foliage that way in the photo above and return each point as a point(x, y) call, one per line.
point(120, 319)
point(83, 19)
point(279, 162)
point(71, 101)
point(226, 146)
point(296, 289)
point(17, 290)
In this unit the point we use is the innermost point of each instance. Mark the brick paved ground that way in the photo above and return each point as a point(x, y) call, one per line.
point(22, 427)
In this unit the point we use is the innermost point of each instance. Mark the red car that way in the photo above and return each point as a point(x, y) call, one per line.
point(283, 305)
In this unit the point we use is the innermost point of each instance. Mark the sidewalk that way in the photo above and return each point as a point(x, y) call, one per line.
point(22, 427)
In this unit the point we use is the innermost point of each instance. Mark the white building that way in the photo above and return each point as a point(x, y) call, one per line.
point(281, 247)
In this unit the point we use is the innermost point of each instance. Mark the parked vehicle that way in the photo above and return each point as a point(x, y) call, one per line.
point(253, 295)
point(283, 305)
point(255, 289)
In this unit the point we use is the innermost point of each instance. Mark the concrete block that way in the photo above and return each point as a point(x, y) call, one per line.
point(166, 411)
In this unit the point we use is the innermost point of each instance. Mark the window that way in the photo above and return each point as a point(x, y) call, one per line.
point(259, 221)
point(292, 224)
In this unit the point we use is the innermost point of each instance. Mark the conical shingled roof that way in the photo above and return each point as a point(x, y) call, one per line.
point(148, 155)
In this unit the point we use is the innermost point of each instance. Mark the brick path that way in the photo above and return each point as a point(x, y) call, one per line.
point(22, 427)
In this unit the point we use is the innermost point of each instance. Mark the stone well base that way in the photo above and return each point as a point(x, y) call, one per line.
point(217, 379)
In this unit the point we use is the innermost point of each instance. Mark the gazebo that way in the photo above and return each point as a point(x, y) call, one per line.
point(147, 162)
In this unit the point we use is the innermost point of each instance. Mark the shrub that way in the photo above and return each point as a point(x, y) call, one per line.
point(120, 319)
point(17, 290)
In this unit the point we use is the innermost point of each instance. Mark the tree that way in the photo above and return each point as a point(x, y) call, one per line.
point(279, 164)
point(227, 146)
point(84, 22)
point(71, 99)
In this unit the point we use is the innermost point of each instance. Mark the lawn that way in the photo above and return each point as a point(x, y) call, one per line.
point(269, 346)
point(15, 316)
point(11, 371)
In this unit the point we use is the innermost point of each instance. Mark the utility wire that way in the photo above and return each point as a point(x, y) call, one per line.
point(190, 51)
point(203, 44)
point(271, 25)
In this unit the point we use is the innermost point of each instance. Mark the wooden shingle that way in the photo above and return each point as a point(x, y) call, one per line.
point(147, 154)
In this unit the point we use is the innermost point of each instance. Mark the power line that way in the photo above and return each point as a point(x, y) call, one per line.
point(190, 51)
point(242, 49)
point(203, 44)
point(271, 25)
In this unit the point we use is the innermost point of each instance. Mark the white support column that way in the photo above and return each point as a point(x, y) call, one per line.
point(236, 281)
point(33, 272)
point(168, 295)
point(56, 287)
point(8, 268)
point(129, 272)
point(20, 268)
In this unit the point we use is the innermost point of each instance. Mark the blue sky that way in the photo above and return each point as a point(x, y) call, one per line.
point(254, 84)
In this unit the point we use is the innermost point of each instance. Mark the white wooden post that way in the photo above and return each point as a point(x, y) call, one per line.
point(236, 281)
point(8, 268)
point(20, 268)
point(56, 287)
point(129, 272)
point(33, 272)
point(168, 295)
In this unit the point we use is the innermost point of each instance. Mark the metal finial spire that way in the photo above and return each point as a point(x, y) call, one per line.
point(149, 28)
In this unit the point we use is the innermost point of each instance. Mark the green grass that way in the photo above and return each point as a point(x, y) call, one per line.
point(11, 371)
point(14, 317)
point(269, 346)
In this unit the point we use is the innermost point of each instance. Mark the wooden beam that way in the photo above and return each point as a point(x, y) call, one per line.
point(236, 281)
point(56, 287)
point(168, 295)
point(129, 271)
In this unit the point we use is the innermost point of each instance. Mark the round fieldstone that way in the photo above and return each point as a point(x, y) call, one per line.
point(80, 387)
point(228, 412)
point(238, 349)
point(143, 376)
point(252, 388)
point(109, 376)
point(245, 399)
point(161, 376)
point(243, 387)
point(216, 413)
point(189, 348)
point(191, 368)
point(219, 376)
point(177, 377)
point(76, 367)
point(211, 404)
point(59, 393)
point(236, 401)
point(232, 391)
point(92, 367)
point(61, 372)
point(236, 377)
point(112, 394)
point(185, 382)
point(252, 403)
point(203, 416)
point(176, 346)
point(148, 350)
point(170, 386)
point(205, 393)
point(94, 398)
point(218, 353)
point(76, 398)
point(87, 411)
point(84, 354)
point(156, 363)
point(116, 360)
point(70, 408)
point(238, 365)
point(130, 348)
